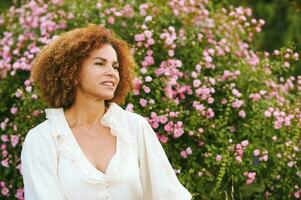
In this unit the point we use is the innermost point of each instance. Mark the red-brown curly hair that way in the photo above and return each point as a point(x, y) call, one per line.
point(57, 65)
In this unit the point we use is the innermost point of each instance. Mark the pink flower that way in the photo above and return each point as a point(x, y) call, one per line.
point(238, 146)
point(210, 113)
point(3, 146)
point(296, 56)
point(255, 97)
point(129, 107)
point(139, 37)
point(240, 152)
point(242, 114)
point(201, 130)
point(150, 41)
point(148, 79)
point(196, 83)
point(5, 191)
point(36, 113)
point(188, 150)
point(178, 132)
point(201, 143)
point(4, 153)
point(18, 93)
point(210, 100)
point(5, 162)
point(245, 143)
point(249, 181)
point(163, 119)
point(236, 93)
point(183, 154)
point(267, 114)
point(57, 2)
point(237, 103)
point(290, 164)
point(146, 89)
point(238, 158)
point(111, 20)
point(143, 102)
point(148, 33)
point(297, 195)
point(99, 5)
point(14, 110)
point(256, 152)
point(20, 193)
point(163, 139)
point(168, 127)
point(218, 157)
point(208, 59)
point(277, 125)
point(264, 158)
point(148, 18)
point(4, 138)
point(200, 174)
point(14, 140)
point(251, 175)
point(171, 52)
point(223, 101)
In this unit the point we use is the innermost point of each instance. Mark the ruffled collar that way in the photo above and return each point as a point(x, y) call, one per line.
point(112, 118)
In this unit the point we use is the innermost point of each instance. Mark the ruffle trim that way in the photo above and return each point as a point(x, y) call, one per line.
point(68, 146)
point(89, 172)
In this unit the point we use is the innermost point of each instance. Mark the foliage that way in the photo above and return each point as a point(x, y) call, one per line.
point(227, 115)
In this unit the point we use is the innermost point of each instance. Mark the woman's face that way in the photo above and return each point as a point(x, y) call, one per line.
point(99, 74)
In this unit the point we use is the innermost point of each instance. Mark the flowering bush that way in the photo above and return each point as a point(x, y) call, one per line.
point(227, 115)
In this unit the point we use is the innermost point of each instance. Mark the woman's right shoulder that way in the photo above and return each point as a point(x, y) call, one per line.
point(39, 134)
point(38, 144)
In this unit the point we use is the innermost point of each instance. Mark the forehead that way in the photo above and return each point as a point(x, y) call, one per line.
point(106, 51)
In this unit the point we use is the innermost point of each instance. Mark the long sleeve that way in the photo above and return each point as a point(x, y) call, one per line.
point(38, 167)
point(157, 176)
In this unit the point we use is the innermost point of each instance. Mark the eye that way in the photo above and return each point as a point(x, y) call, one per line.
point(116, 67)
point(99, 64)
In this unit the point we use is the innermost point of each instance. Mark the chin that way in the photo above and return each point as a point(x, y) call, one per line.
point(107, 97)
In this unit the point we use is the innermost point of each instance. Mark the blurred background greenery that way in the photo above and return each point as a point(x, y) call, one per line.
point(283, 23)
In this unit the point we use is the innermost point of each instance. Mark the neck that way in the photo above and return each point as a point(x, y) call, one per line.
point(86, 114)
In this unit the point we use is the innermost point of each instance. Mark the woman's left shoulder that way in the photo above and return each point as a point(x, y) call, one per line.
point(134, 117)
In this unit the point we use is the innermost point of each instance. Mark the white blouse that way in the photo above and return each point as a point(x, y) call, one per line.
point(54, 166)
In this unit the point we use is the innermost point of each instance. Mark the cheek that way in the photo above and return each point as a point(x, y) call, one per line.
point(89, 79)
point(118, 79)
point(118, 75)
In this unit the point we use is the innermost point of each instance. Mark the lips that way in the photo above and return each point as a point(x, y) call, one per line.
point(108, 83)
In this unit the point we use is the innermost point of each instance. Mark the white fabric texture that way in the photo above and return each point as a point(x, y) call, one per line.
point(54, 166)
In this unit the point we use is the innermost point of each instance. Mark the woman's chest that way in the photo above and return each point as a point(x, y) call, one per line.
point(81, 180)
point(98, 145)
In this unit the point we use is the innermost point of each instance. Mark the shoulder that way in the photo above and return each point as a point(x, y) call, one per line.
point(38, 135)
point(135, 118)
point(135, 123)
point(38, 144)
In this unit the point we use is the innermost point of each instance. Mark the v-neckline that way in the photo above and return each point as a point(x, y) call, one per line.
point(84, 157)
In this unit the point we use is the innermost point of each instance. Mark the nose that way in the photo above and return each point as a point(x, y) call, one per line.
point(110, 70)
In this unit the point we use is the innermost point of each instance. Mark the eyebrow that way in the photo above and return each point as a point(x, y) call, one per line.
point(104, 59)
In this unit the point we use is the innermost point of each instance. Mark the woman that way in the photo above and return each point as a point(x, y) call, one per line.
point(89, 147)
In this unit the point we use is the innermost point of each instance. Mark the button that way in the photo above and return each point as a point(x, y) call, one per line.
point(108, 196)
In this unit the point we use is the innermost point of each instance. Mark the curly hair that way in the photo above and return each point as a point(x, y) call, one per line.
point(57, 65)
